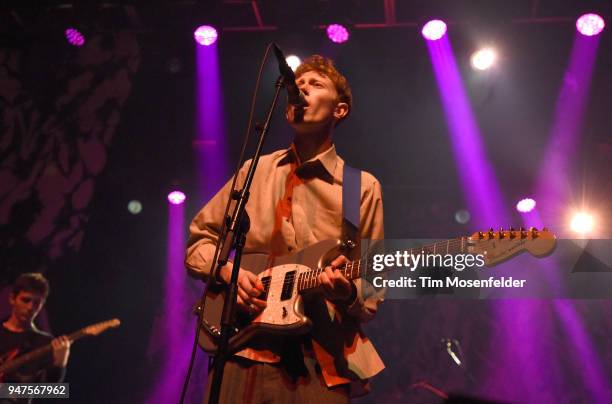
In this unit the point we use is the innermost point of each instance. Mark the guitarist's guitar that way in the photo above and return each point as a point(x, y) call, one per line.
point(286, 278)
point(10, 362)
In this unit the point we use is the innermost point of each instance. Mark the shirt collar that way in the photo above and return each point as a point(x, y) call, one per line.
point(328, 159)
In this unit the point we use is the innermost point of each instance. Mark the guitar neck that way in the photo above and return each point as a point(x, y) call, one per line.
point(358, 268)
point(36, 354)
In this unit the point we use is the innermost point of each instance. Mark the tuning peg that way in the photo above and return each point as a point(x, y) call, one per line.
point(480, 235)
point(511, 228)
point(522, 228)
point(544, 228)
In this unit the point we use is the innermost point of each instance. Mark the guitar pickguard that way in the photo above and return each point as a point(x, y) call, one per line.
point(284, 306)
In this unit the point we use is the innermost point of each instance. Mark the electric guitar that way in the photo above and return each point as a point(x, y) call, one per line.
point(10, 362)
point(287, 278)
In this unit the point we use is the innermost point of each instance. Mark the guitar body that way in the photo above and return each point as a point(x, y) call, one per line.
point(6, 358)
point(287, 278)
point(11, 361)
point(284, 313)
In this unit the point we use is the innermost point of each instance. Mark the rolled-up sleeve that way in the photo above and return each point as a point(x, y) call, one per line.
point(205, 229)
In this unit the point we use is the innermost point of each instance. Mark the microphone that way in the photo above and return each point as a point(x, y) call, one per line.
point(294, 96)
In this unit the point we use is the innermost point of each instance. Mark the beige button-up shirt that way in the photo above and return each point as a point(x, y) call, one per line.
point(292, 206)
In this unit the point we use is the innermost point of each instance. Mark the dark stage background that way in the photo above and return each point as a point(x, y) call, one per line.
point(86, 130)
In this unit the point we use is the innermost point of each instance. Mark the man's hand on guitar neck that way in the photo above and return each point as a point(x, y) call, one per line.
point(61, 351)
point(335, 285)
point(249, 287)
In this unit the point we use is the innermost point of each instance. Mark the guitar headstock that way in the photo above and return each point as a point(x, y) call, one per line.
point(498, 246)
point(99, 328)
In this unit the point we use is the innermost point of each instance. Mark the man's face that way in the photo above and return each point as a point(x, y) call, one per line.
point(322, 102)
point(26, 305)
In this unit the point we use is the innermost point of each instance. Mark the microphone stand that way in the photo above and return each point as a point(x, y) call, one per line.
point(235, 238)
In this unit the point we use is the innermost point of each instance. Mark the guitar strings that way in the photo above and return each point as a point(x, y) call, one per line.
point(314, 278)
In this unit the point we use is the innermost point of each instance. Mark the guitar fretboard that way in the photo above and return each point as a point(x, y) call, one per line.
point(95, 329)
point(362, 267)
point(35, 354)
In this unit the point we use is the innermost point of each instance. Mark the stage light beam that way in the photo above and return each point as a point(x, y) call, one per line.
point(74, 37)
point(526, 205)
point(434, 30)
point(176, 197)
point(205, 35)
point(337, 33)
point(590, 24)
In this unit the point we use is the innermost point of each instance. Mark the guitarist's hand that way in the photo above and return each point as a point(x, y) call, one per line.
point(249, 287)
point(61, 351)
point(335, 285)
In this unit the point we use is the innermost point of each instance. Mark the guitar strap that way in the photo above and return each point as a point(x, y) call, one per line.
point(351, 202)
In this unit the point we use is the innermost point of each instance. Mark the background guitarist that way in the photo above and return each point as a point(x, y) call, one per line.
point(296, 201)
point(19, 335)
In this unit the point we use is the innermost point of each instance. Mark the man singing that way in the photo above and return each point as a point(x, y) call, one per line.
point(296, 201)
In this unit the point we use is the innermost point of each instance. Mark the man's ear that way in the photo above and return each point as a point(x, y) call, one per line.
point(341, 110)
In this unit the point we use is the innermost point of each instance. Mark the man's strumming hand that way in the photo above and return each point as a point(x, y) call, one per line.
point(249, 288)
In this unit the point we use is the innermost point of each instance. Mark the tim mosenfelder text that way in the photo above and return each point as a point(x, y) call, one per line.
point(458, 262)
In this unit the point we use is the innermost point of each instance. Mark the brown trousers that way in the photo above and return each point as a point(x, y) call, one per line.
point(250, 382)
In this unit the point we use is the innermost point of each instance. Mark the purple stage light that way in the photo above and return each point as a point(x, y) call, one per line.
point(176, 197)
point(590, 24)
point(337, 33)
point(482, 193)
point(434, 30)
point(525, 205)
point(205, 35)
point(74, 37)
